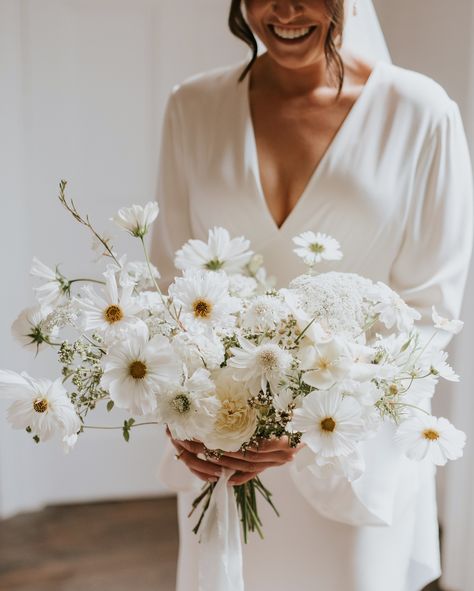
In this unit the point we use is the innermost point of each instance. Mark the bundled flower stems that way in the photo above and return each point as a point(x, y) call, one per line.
point(226, 359)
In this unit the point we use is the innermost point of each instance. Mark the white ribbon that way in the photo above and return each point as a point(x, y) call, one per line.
point(220, 546)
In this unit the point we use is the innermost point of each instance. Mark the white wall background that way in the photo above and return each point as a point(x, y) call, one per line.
point(83, 86)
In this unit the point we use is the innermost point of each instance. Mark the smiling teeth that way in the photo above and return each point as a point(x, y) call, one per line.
point(291, 33)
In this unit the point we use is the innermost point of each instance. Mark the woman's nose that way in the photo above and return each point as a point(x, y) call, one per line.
point(285, 10)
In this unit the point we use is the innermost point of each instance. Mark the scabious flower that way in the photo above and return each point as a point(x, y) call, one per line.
point(235, 420)
point(221, 253)
point(137, 219)
point(391, 309)
point(326, 363)
point(54, 291)
point(189, 407)
point(313, 248)
point(112, 312)
point(259, 365)
point(40, 405)
point(29, 328)
point(331, 423)
point(431, 438)
point(452, 326)
point(204, 301)
point(136, 370)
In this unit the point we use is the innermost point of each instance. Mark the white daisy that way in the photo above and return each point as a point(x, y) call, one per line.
point(431, 438)
point(189, 408)
point(137, 219)
point(221, 253)
point(259, 365)
point(136, 369)
point(313, 248)
point(29, 328)
point(391, 309)
point(112, 312)
point(54, 291)
point(452, 326)
point(40, 405)
point(204, 301)
point(265, 313)
point(325, 363)
point(236, 420)
point(331, 423)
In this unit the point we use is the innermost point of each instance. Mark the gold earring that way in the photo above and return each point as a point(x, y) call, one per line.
point(355, 8)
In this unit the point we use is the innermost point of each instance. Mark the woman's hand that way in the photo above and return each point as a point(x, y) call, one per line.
point(270, 453)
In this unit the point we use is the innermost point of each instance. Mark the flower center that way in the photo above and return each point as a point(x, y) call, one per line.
point(202, 308)
point(328, 424)
point(324, 363)
point(138, 370)
point(40, 405)
point(430, 434)
point(269, 359)
point(113, 314)
point(393, 389)
point(316, 248)
point(181, 403)
point(214, 265)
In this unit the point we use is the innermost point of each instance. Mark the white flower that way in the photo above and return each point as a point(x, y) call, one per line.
point(29, 328)
point(331, 423)
point(265, 313)
point(54, 291)
point(139, 273)
point(135, 371)
point(220, 253)
point(431, 438)
point(236, 420)
point(199, 350)
point(325, 363)
point(392, 310)
point(111, 313)
point(439, 367)
point(204, 301)
point(189, 409)
point(452, 326)
point(313, 248)
point(351, 466)
point(242, 286)
point(259, 365)
point(40, 405)
point(137, 219)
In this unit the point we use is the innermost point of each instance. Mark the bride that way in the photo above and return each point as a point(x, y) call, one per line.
point(311, 136)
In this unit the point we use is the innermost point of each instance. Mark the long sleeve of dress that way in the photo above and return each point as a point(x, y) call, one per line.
point(430, 269)
point(173, 227)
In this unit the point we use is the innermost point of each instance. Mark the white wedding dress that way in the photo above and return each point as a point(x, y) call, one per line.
point(394, 188)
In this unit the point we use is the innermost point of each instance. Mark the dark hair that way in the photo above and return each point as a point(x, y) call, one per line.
point(241, 29)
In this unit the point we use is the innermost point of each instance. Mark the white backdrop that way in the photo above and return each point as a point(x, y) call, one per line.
point(83, 89)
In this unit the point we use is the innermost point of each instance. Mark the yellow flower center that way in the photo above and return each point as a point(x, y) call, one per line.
point(328, 424)
point(113, 314)
point(316, 247)
point(138, 370)
point(324, 363)
point(40, 405)
point(393, 389)
point(202, 308)
point(430, 434)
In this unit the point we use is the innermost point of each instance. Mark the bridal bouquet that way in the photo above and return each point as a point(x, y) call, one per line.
point(226, 359)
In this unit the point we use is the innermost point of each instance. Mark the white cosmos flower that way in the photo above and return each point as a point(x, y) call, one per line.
point(440, 368)
point(235, 420)
point(325, 363)
point(29, 328)
point(259, 365)
point(392, 310)
point(331, 424)
point(54, 291)
point(452, 326)
point(431, 438)
point(313, 248)
point(39, 404)
point(204, 301)
point(265, 313)
point(189, 408)
point(112, 312)
point(136, 370)
point(221, 253)
point(137, 219)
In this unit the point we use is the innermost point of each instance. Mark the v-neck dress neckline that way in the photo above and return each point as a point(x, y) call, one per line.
point(330, 151)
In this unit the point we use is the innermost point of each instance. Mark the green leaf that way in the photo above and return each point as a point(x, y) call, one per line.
point(126, 434)
point(110, 405)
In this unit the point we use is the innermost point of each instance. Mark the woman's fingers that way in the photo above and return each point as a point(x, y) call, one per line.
point(242, 477)
point(194, 463)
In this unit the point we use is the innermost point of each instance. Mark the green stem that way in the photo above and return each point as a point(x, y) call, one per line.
point(83, 279)
point(131, 427)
